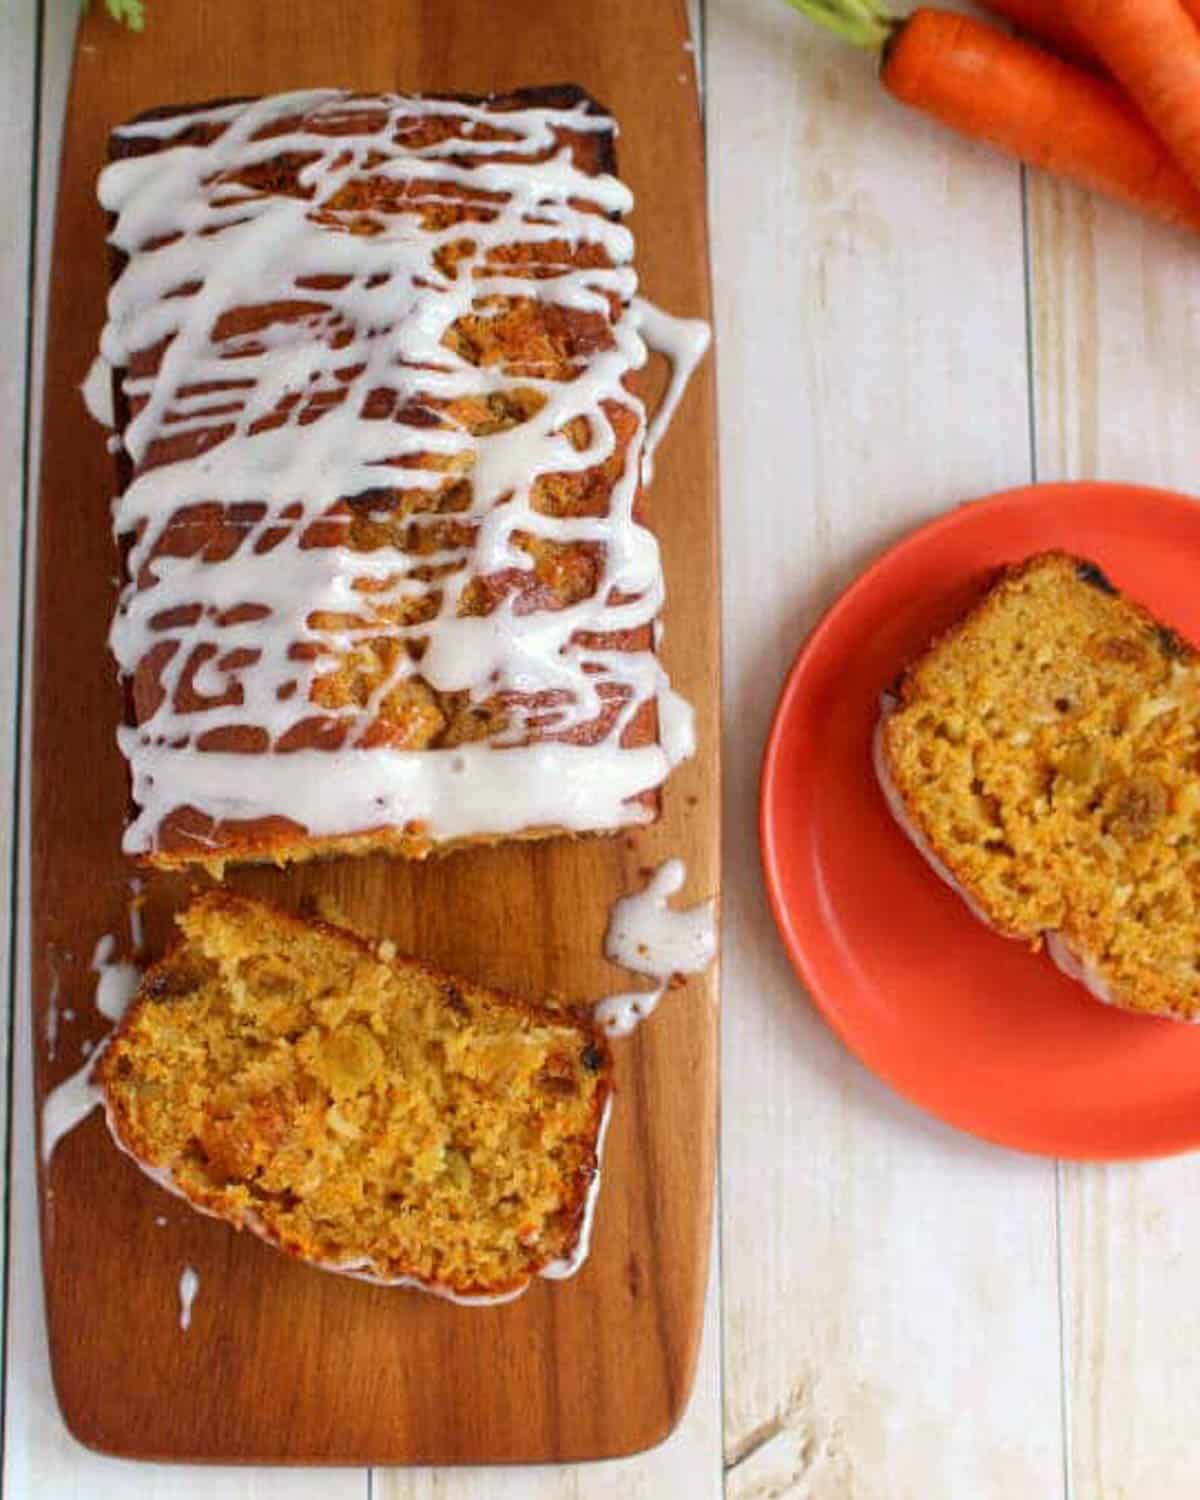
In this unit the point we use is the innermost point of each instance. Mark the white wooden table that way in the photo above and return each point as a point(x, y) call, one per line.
point(897, 1312)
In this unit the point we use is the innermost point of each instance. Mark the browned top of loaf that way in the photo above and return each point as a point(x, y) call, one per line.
point(1047, 748)
point(532, 334)
point(356, 1109)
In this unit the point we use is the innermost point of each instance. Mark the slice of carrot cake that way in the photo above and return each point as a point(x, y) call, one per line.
point(364, 1113)
point(1045, 755)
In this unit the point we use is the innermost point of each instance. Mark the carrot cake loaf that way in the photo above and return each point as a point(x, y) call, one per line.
point(1044, 755)
point(361, 1112)
point(388, 582)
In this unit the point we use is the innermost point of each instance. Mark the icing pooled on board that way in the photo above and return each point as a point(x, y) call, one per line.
point(647, 935)
point(621, 1015)
point(275, 429)
point(116, 983)
point(189, 1285)
point(69, 1103)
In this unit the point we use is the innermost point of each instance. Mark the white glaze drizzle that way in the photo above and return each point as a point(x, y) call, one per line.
point(684, 341)
point(559, 1270)
point(116, 983)
point(52, 1016)
point(621, 1015)
point(137, 922)
point(898, 808)
point(1080, 969)
point(69, 1103)
point(189, 1285)
point(646, 935)
point(97, 392)
point(237, 248)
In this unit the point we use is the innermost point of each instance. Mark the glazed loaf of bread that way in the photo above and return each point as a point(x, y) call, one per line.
point(387, 579)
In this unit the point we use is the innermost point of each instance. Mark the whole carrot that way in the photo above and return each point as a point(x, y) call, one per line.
point(1152, 48)
point(1043, 20)
point(1012, 94)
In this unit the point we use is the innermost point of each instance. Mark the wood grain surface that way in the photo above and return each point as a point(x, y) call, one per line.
point(889, 1297)
point(282, 1363)
point(1116, 325)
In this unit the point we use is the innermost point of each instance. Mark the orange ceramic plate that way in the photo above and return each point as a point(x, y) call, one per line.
point(969, 1025)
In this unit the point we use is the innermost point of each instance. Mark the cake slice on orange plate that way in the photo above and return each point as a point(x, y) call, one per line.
point(1044, 756)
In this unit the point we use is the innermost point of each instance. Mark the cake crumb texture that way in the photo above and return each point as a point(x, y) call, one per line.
point(367, 1115)
point(1047, 749)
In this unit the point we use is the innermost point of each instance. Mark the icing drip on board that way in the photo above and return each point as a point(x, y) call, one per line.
point(621, 1015)
point(52, 1017)
point(69, 1103)
point(647, 936)
point(189, 1285)
point(684, 341)
point(116, 983)
point(275, 421)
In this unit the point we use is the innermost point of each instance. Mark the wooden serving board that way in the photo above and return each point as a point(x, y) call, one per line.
point(282, 1363)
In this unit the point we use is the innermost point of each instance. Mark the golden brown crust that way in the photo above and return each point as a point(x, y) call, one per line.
point(276, 842)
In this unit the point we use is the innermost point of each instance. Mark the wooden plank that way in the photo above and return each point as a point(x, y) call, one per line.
point(1116, 341)
point(549, 1376)
point(39, 1455)
point(688, 1464)
point(870, 314)
point(1116, 337)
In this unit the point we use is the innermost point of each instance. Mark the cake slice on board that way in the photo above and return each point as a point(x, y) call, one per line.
point(364, 1113)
